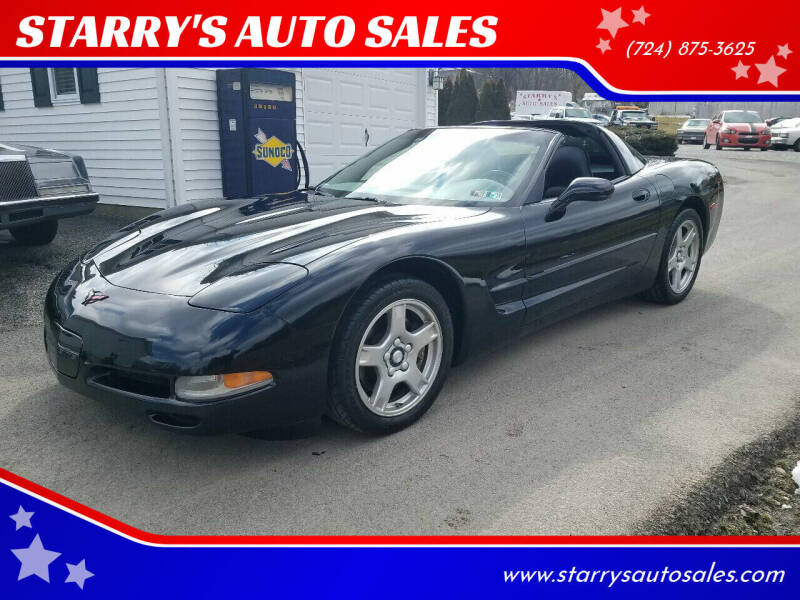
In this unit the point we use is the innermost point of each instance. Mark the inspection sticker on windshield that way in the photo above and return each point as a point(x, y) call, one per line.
point(486, 195)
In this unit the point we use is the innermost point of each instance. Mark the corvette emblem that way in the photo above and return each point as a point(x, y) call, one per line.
point(92, 297)
point(273, 151)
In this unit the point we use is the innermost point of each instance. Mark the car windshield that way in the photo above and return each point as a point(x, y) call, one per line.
point(741, 116)
point(579, 113)
point(696, 123)
point(634, 115)
point(450, 166)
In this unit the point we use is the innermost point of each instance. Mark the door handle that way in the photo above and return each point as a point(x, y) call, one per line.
point(641, 195)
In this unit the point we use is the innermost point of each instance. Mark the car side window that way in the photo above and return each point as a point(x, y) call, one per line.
point(578, 157)
point(632, 159)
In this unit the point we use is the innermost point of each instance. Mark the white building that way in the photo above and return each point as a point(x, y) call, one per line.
point(153, 137)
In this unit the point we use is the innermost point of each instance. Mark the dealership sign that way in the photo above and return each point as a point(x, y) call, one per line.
point(539, 102)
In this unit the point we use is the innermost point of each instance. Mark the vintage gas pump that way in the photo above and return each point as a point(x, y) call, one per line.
point(258, 133)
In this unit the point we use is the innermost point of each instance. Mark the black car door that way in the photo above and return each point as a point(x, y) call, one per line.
point(596, 250)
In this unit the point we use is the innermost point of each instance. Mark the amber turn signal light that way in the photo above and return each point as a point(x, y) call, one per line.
point(237, 380)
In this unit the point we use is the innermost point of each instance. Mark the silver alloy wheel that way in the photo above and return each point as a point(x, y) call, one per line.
point(684, 253)
point(399, 357)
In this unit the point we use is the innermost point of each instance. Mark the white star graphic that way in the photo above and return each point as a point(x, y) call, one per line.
point(740, 70)
point(78, 574)
point(612, 20)
point(35, 560)
point(22, 518)
point(604, 45)
point(783, 51)
point(769, 71)
point(640, 16)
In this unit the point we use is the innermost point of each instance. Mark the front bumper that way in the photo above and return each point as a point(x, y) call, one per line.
point(128, 349)
point(691, 136)
point(16, 213)
point(734, 140)
point(781, 142)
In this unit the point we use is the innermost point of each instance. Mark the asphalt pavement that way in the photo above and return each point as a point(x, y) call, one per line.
point(588, 427)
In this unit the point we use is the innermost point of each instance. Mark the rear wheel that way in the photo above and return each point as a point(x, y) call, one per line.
point(764, 149)
point(706, 145)
point(391, 356)
point(37, 234)
point(680, 260)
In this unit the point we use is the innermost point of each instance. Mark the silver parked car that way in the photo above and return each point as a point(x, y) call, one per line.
point(693, 131)
point(37, 188)
point(785, 134)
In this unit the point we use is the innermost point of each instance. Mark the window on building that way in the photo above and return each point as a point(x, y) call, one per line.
point(55, 86)
point(64, 86)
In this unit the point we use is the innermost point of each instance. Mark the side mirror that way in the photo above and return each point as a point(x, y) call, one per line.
point(582, 189)
point(716, 121)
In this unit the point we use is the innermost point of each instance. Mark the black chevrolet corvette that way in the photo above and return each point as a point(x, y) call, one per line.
point(354, 297)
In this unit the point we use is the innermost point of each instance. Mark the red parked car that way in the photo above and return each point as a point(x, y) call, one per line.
point(737, 129)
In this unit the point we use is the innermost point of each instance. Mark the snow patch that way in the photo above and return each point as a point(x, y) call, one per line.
point(796, 477)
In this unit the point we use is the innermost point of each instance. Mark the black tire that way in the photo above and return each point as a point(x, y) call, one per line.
point(746, 149)
point(718, 147)
point(37, 234)
point(796, 146)
point(706, 145)
point(661, 291)
point(344, 403)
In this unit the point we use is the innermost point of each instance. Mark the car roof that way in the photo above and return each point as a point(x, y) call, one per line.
point(565, 126)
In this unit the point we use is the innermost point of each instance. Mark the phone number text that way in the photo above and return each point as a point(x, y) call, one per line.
point(690, 48)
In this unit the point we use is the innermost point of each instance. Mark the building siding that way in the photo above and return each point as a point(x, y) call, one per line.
point(153, 140)
point(120, 138)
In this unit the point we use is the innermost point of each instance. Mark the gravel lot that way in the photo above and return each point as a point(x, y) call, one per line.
point(588, 427)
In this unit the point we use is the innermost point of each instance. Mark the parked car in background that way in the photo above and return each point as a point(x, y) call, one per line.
point(737, 129)
point(786, 134)
point(693, 130)
point(633, 118)
point(775, 120)
point(604, 119)
point(37, 188)
point(573, 113)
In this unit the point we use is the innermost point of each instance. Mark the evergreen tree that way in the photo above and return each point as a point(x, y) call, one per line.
point(501, 101)
point(445, 95)
point(486, 101)
point(493, 102)
point(464, 101)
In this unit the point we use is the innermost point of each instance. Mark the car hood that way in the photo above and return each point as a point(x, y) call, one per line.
point(693, 129)
point(182, 250)
point(746, 127)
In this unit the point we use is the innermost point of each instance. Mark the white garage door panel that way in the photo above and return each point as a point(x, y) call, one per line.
point(340, 104)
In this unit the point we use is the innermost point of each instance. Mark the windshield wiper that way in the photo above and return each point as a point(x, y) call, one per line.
point(366, 199)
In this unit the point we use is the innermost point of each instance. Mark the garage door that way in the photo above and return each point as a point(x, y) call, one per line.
point(348, 111)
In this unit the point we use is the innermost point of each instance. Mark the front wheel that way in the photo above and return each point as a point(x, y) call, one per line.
point(706, 145)
point(680, 260)
point(718, 147)
point(390, 357)
point(37, 234)
point(797, 145)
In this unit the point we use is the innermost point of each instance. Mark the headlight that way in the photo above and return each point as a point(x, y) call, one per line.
point(728, 130)
point(247, 291)
point(213, 387)
point(765, 132)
